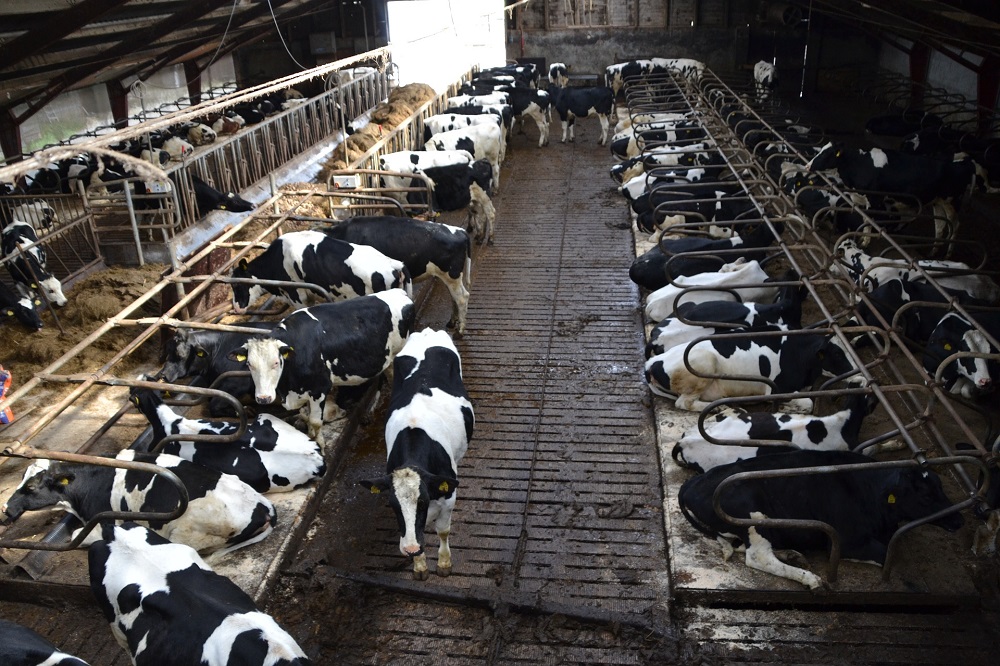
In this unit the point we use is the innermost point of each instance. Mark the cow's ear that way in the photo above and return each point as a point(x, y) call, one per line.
point(60, 481)
point(286, 351)
point(440, 486)
point(376, 486)
point(238, 355)
point(243, 264)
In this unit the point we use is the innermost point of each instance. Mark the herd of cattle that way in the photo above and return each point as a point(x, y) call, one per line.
point(725, 325)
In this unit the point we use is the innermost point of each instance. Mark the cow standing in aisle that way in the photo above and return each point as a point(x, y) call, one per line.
point(583, 102)
point(864, 506)
point(455, 179)
point(427, 432)
point(167, 607)
point(316, 349)
point(427, 249)
point(483, 142)
point(344, 269)
point(223, 513)
point(559, 74)
point(270, 456)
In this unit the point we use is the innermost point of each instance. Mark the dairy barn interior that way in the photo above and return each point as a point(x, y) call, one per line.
point(152, 148)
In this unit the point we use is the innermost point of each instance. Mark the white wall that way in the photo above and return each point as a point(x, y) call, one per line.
point(434, 41)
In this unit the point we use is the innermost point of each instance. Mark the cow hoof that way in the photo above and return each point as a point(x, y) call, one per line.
point(421, 575)
point(444, 572)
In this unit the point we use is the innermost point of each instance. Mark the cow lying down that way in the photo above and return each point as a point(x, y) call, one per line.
point(20, 646)
point(745, 278)
point(223, 513)
point(167, 607)
point(270, 456)
point(790, 362)
point(864, 506)
point(837, 432)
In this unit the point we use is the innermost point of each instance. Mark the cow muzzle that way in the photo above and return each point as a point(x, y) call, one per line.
point(415, 550)
point(265, 399)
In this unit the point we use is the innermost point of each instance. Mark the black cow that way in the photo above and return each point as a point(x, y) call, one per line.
point(334, 344)
point(583, 102)
point(427, 432)
point(21, 308)
point(204, 355)
point(29, 268)
point(427, 249)
point(864, 506)
point(20, 646)
point(167, 607)
point(344, 269)
point(223, 513)
point(270, 456)
point(207, 199)
point(456, 179)
point(650, 269)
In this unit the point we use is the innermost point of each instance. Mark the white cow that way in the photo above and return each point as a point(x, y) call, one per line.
point(746, 277)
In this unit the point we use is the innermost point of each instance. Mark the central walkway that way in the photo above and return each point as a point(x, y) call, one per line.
point(559, 507)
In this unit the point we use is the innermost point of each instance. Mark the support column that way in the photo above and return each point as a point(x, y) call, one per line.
point(987, 88)
point(920, 59)
point(10, 136)
point(118, 97)
point(193, 75)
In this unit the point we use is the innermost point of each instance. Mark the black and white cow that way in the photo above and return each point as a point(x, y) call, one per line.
point(167, 607)
point(333, 344)
point(559, 74)
point(940, 182)
point(481, 141)
point(495, 97)
point(534, 104)
point(633, 141)
point(650, 269)
point(916, 323)
point(344, 269)
point(765, 79)
point(691, 155)
point(427, 249)
point(223, 513)
point(271, 456)
point(570, 103)
point(839, 431)
point(446, 122)
point(864, 506)
point(786, 312)
point(615, 75)
point(870, 272)
point(661, 208)
point(27, 266)
point(20, 646)
point(791, 362)
point(38, 214)
point(970, 376)
point(747, 278)
point(22, 308)
point(457, 181)
point(427, 432)
point(207, 199)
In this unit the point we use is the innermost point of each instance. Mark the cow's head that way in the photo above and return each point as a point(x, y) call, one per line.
point(917, 493)
point(410, 491)
point(178, 356)
point(244, 293)
point(44, 484)
point(265, 359)
point(952, 335)
point(24, 311)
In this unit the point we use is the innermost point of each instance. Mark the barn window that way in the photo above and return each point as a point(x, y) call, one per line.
point(591, 13)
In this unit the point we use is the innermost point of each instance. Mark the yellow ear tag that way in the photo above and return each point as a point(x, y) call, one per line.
point(34, 286)
point(200, 352)
point(375, 490)
point(947, 346)
point(10, 313)
point(892, 499)
point(38, 301)
point(64, 481)
point(443, 487)
point(241, 357)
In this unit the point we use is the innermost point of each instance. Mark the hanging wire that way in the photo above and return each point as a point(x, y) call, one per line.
point(281, 37)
